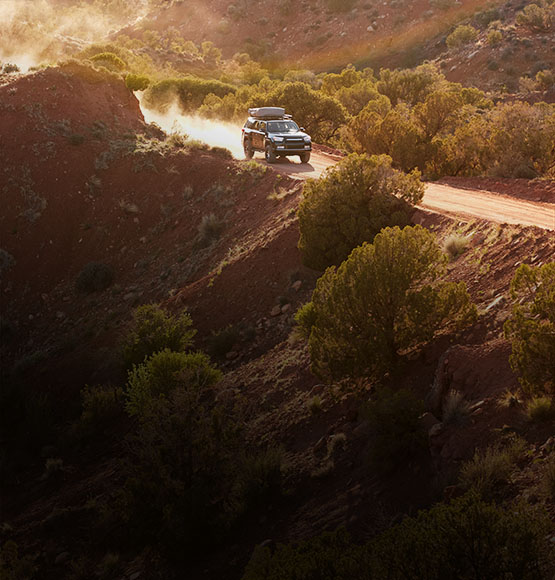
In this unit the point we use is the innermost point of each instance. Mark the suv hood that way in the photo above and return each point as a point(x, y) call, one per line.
point(296, 134)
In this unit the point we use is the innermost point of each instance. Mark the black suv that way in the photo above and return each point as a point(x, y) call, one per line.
point(270, 130)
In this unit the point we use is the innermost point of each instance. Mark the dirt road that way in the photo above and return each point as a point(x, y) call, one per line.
point(445, 199)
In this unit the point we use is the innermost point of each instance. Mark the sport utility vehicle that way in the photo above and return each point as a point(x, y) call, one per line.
point(270, 130)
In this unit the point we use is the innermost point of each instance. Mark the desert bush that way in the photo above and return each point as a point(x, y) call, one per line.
point(94, 277)
point(164, 372)
point(318, 113)
point(545, 79)
point(189, 91)
point(385, 299)
point(455, 409)
point(490, 468)
point(397, 436)
point(536, 16)
point(102, 406)
point(258, 480)
point(521, 136)
point(135, 82)
point(109, 60)
point(13, 566)
point(462, 35)
point(531, 327)
point(494, 37)
point(10, 68)
point(455, 245)
point(154, 330)
point(485, 17)
point(409, 85)
point(350, 205)
point(540, 409)
point(181, 456)
point(380, 129)
point(438, 113)
point(467, 539)
point(209, 229)
point(220, 342)
point(330, 556)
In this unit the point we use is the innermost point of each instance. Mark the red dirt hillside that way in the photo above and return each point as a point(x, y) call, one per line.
point(85, 180)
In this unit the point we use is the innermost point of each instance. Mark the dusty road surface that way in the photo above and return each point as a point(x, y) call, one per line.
point(445, 199)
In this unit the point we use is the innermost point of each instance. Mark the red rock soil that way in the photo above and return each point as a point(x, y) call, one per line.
point(142, 219)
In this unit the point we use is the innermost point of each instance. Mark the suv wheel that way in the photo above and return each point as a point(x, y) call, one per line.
point(247, 148)
point(305, 157)
point(269, 154)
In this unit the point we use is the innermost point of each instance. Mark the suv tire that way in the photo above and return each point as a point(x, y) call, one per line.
point(305, 157)
point(247, 148)
point(269, 154)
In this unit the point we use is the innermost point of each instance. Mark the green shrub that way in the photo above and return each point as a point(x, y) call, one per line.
point(350, 205)
point(13, 566)
point(190, 92)
point(136, 82)
point(155, 330)
point(10, 68)
point(545, 79)
point(259, 479)
point(531, 327)
point(180, 472)
point(410, 86)
point(397, 436)
point(329, 556)
point(163, 373)
point(94, 277)
point(467, 539)
point(462, 35)
point(109, 60)
point(385, 299)
point(536, 17)
point(490, 468)
point(521, 135)
point(102, 407)
point(222, 341)
point(540, 409)
point(494, 37)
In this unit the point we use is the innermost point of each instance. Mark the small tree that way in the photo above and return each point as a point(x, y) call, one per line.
point(155, 330)
point(386, 298)
point(531, 327)
point(462, 35)
point(351, 204)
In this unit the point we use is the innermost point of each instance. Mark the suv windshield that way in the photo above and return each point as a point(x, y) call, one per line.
point(282, 127)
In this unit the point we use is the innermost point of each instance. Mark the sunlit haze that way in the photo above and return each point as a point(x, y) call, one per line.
point(214, 133)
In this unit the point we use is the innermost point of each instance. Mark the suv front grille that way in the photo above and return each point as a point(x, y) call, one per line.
point(294, 144)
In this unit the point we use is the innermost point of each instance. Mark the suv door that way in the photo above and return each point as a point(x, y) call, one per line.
point(260, 135)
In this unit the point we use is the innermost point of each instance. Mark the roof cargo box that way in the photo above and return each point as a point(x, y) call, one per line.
point(267, 112)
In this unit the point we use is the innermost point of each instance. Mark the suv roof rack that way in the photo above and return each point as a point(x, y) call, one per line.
point(268, 113)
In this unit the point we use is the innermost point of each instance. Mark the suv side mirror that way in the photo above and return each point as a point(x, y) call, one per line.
point(303, 129)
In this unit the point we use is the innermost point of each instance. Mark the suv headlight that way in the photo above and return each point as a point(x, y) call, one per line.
point(278, 139)
point(307, 139)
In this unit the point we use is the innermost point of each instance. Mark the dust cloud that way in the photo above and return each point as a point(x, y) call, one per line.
point(214, 133)
point(36, 31)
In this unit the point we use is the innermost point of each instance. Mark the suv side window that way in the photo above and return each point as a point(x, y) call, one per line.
point(250, 124)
